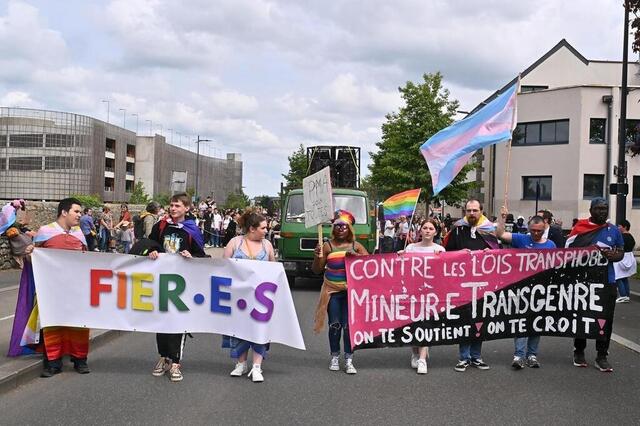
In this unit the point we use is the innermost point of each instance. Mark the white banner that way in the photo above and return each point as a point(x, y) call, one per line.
point(317, 198)
point(248, 299)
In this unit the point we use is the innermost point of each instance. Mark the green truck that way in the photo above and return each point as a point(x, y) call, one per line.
point(297, 243)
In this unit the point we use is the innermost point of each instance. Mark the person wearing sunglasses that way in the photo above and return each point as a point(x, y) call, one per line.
point(526, 348)
point(333, 295)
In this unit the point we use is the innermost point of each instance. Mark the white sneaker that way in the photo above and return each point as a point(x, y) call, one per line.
point(335, 364)
point(256, 373)
point(414, 360)
point(622, 299)
point(240, 369)
point(175, 375)
point(162, 366)
point(348, 366)
point(422, 366)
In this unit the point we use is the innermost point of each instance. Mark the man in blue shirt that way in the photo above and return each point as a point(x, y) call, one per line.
point(533, 240)
point(88, 228)
point(597, 231)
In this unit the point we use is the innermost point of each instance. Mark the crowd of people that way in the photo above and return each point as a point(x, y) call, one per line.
point(187, 230)
point(218, 226)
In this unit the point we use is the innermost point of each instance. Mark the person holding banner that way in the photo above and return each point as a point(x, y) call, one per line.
point(533, 240)
point(428, 230)
point(333, 294)
point(64, 233)
point(473, 232)
point(596, 230)
point(252, 245)
point(176, 234)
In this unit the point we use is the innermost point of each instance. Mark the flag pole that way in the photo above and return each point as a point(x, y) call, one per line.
point(513, 126)
point(411, 221)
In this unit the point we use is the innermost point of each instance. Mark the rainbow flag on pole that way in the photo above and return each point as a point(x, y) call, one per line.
point(450, 149)
point(402, 204)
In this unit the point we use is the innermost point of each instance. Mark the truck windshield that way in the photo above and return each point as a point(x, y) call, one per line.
point(354, 203)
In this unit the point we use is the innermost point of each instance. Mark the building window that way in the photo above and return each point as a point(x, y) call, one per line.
point(593, 186)
point(525, 89)
point(597, 130)
point(25, 163)
point(58, 163)
point(541, 133)
point(633, 132)
point(635, 203)
point(536, 187)
point(54, 140)
point(33, 140)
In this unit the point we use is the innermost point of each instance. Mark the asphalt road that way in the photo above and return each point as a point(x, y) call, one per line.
point(299, 388)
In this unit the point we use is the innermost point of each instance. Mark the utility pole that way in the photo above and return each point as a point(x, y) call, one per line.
point(124, 117)
point(107, 109)
point(621, 187)
point(136, 115)
point(198, 164)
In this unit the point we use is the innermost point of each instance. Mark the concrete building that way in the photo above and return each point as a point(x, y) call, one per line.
point(48, 155)
point(566, 144)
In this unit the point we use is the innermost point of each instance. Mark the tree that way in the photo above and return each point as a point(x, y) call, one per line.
point(138, 195)
point(236, 200)
point(398, 164)
point(163, 199)
point(88, 201)
point(297, 169)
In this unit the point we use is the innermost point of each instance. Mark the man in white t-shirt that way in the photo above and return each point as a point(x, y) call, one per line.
point(388, 234)
point(216, 227)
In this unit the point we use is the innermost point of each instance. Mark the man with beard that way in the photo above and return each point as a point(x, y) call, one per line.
point(473, 232)
point(596, 230)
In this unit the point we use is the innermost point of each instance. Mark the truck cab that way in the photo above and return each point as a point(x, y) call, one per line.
point(296, 244)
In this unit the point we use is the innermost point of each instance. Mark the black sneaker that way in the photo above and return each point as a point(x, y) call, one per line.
point(462, 365)
point(81, 366)
point(480, 364)
point(579, 360)
point(603, 365)
point(518, 363)
point(50, 372)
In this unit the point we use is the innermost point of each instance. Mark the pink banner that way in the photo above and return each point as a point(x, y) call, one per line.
point(430, 299)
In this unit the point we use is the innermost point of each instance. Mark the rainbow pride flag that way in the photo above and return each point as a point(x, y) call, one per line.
point(402, 204)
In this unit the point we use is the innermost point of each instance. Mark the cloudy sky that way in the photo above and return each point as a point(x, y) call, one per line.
point(260, 77)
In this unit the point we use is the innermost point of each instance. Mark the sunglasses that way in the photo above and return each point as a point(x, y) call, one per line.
point(340, 225)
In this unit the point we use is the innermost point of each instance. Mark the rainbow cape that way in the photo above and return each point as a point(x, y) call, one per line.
point(402, 204)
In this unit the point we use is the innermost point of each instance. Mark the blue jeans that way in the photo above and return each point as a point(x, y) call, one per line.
point(623, 287)
point(339, 324)
point(105, 236)
point(126, 245)
point(216, 238)
point(529, 343)
point(470, 351)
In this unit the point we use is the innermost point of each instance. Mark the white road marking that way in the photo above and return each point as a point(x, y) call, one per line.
point(11, 288)
point(625, 342)
point(6, 318)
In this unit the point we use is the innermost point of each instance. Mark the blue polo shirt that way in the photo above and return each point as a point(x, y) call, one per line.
point(525, 241)
point(611, 236)
point(86, 224)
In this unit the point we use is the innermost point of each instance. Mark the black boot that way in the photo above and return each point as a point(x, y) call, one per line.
point(80, 365)
point(51, 368)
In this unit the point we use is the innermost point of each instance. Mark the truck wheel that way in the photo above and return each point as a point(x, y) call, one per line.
point(292, 280)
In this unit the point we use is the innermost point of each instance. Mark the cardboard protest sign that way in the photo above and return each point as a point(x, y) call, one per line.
point(248, 299)
point(318, 200)
point(439, 299)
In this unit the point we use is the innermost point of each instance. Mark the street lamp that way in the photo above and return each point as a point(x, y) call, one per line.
point(621, 184)
point(124, 117)
point(160, 126)
point(150, 127)
point(136, 115)
point(107, 109)
point(198, 162)
point(171, 130)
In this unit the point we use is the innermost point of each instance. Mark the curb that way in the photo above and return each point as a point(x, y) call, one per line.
point(10, 380)
point(625, 342)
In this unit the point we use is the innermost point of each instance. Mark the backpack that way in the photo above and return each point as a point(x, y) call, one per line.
point(138, 226)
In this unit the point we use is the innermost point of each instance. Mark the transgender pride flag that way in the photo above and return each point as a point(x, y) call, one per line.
point(451, 148)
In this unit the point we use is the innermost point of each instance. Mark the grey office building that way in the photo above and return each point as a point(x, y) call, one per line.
point(48, 155)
